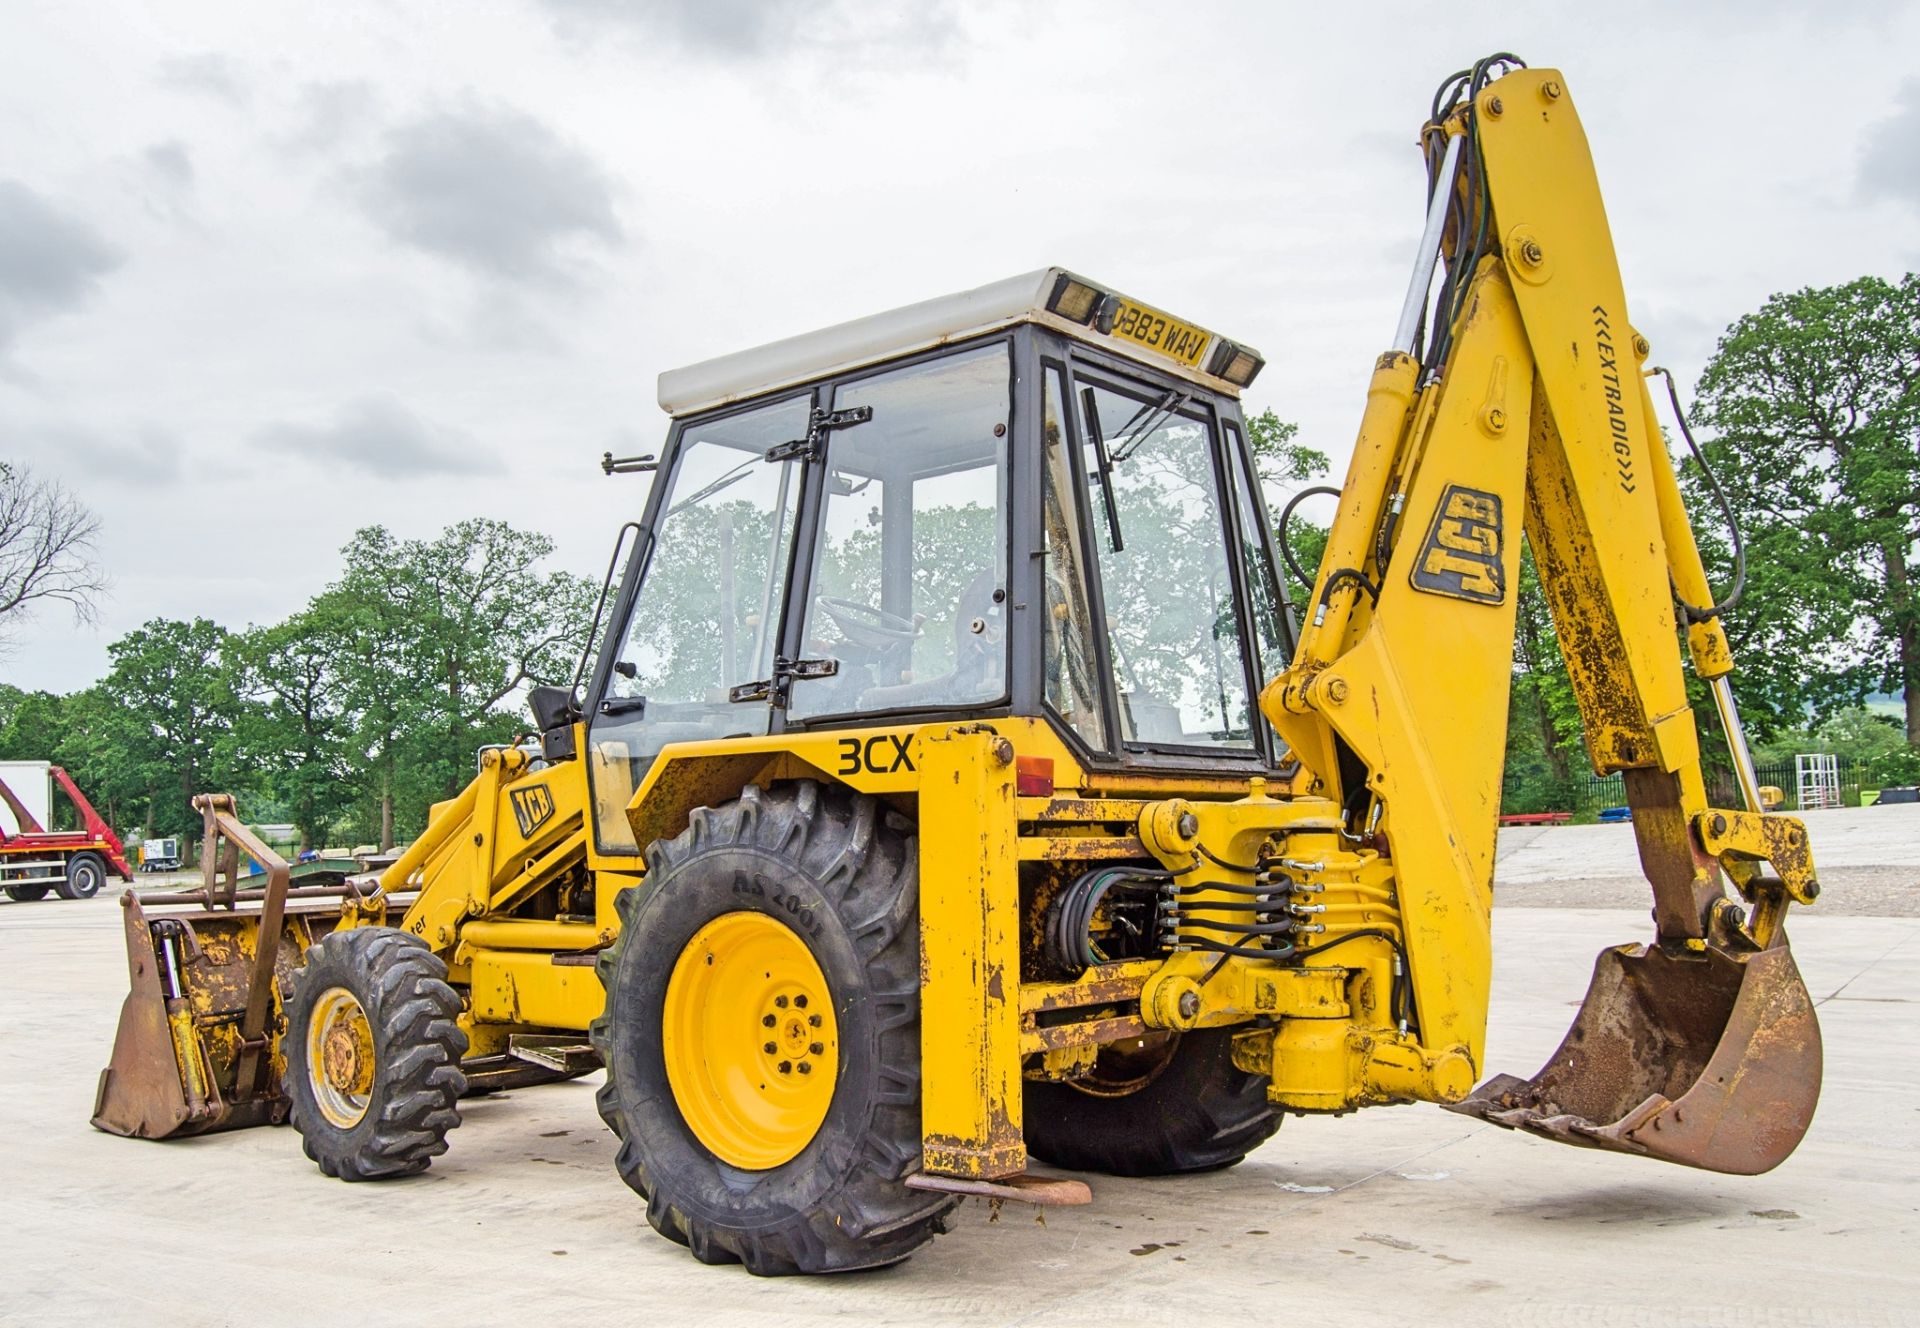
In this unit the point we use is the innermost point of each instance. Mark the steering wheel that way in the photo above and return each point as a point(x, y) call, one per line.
point(865, 625)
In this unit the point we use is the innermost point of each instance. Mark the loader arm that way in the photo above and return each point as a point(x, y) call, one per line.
point(1526, 408)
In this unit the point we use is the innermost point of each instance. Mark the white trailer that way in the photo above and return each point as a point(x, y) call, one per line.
point(32, 784)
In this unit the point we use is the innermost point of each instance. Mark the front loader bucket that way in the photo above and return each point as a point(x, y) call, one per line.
point(198, 1045)
point(1700, 1057)
point(163, 1078)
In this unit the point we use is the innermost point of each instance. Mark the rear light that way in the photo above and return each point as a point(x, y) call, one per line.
point(1237, 364)
point(1074, 300)
point(1033, 776)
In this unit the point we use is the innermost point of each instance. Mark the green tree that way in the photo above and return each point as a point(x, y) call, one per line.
point(1280, 460)
point(32, 724)
point(160, 719)
point(291, 731)
point(1814, 401)
point(434, 636)
point(1875, 744)
point(1543, 726)
point(380, 701)
point(113, 756)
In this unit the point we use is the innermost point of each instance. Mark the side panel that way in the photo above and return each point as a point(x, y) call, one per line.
point(970, 958)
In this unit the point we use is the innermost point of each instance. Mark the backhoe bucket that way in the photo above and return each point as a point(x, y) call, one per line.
point(1700, 1057)
point(198, 1044)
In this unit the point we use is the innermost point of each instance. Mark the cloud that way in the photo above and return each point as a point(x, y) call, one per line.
point(149, 455)
point(171, 162)
point(378, 435)
point(1890, 159)
point(329, 112)
point(50, 261)
point(208, 74)
point(744, 29)
point(493, 190)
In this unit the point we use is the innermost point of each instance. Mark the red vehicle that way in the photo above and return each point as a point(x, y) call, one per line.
point(35, 860)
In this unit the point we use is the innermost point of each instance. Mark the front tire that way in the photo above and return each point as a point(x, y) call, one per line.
point(783, 895)
point(1175, 1103)
point(86, 877)
point(373, 1054)
point(27, 894)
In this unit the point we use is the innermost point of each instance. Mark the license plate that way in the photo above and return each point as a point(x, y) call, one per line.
point(1159, 332)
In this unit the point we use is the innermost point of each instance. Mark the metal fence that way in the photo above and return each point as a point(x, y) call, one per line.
point(1591, 794)
point(1594, 793)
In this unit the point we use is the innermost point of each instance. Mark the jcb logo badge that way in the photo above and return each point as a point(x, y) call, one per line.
point(1461, 557)
point(532, 807)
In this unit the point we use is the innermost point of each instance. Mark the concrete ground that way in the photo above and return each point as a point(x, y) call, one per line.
point(1868, 859)
point(1406, 1215)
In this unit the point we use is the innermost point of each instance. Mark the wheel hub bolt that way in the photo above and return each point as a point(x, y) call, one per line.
point(801, 1000)
point(816, 1048)
point(770, 1048)
point(769, 1021)
point(805, 1068)
point(786, 1067)
point(780, 1001)
point(814, 1020)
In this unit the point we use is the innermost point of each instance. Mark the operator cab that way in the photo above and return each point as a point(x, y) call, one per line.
point(1035, 498)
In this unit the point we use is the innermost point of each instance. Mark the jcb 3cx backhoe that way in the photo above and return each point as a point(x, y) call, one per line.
point(929, 806)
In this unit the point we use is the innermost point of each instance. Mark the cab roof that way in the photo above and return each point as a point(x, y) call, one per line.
point(1054, 296)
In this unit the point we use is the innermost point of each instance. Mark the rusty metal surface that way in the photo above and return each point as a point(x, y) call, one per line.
point(197, 1048)
point(1044, 1191)
point(1685, 880)
point(1091, 1032)
point(1081, 848)
point(1104, 984)
point(1701, 1057)
point(140, 1094)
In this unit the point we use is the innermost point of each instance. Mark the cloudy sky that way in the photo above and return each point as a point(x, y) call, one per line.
point(270, 272)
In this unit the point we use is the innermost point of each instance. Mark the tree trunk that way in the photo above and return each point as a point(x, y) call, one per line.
point(1906, 626)
point(1549, 736)
point(1530, 653)
point(1910, 675)
point(386, 805)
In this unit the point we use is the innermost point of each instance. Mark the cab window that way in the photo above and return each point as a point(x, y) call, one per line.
point(909, 555)
point(1173, 632)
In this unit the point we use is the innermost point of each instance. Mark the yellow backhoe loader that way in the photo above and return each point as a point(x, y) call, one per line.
point(952, 787)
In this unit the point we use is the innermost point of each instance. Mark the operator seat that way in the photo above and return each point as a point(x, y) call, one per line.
point(979, 658)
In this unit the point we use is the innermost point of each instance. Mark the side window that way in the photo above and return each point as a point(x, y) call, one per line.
point(1172, 628)
point(707, 616)
point(909, 569)
point(1270, 631)
point(1070, 664)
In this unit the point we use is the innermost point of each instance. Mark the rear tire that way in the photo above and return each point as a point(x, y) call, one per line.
point(86, 877)
point(1156, 1110)
point(833, 878)
point(373, 1054)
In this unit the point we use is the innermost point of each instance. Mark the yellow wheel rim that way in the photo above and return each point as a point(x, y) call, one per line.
point(340, 1057)
point(748, 1034)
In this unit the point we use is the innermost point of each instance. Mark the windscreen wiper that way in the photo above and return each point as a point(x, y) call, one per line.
point(726, 481)
point(1146, 420)
point(1092, 413)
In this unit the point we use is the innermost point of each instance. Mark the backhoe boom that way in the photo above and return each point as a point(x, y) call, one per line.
point(1532, 412)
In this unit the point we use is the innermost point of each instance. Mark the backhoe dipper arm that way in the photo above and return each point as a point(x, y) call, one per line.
point(1531, 410)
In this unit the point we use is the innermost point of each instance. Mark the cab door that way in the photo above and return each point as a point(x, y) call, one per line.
point(703, 608)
